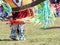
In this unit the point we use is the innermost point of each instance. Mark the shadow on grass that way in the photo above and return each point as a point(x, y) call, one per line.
point(7, 40)
point(57, 27)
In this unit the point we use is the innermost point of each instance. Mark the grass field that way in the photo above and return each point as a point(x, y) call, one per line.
point(35, 35)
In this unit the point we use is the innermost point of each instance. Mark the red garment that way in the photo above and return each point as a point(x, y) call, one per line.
point(16, 22)
point(23, 14)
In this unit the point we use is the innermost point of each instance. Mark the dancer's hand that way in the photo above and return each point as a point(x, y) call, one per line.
point(25, 20)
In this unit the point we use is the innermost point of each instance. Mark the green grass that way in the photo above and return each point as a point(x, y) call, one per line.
point(34, 35)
